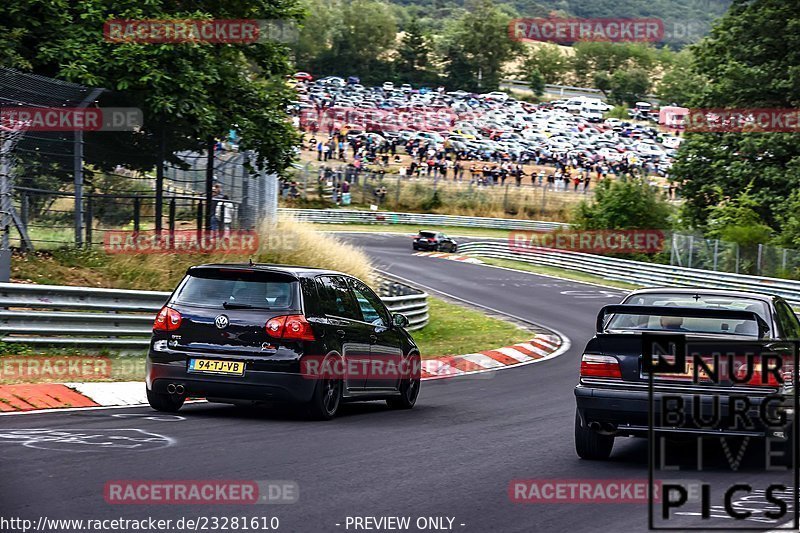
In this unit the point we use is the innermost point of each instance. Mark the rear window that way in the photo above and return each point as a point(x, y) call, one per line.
point(232, 288)
point(690, 324)
point(427, 234)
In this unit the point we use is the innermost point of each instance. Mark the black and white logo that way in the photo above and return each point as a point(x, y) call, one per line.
point(221, 322)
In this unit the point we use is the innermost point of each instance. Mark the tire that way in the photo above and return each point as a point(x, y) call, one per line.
point(591, 445)
point(326, 399)
point(455, 248)
point(165, 403)
point(414, 247)
point(409, 389)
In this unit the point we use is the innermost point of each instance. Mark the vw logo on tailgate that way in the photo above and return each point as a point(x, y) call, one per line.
point(221, 322)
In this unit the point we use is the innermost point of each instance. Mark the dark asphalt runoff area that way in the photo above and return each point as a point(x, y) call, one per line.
point(453, 456)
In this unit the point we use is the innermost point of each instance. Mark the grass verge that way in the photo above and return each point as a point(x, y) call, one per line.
point(445, 333)
point(413, 229)
point(561, 273)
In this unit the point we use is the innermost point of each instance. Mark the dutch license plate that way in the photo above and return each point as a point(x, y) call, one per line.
point(687, 374)
point(215, 366)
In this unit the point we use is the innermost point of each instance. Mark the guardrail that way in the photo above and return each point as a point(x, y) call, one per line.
point(637, 272)
point(122, 320)
point(347, 216)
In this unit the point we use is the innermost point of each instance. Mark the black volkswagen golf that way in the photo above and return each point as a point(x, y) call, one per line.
point(269, 333)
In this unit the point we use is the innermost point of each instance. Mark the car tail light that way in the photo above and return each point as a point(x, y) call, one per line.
point(759, 380)
point(431, 240)
point(600, 366)
point(167, 319)
point(290, 327)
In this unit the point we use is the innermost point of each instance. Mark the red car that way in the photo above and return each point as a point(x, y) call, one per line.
point(303, 76)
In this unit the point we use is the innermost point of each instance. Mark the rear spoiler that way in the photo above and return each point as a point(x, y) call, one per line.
point(686, 312)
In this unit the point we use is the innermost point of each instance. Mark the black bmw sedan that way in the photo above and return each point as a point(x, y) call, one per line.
point(235, 333)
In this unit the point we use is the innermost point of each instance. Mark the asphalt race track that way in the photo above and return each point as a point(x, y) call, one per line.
point(454, 455)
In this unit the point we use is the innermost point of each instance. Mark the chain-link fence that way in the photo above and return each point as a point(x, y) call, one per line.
point(66, 188)
point(695, 251)
point(346, 185)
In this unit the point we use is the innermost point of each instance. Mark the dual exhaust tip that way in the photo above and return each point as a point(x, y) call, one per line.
point(176, 389)
point(605, 428)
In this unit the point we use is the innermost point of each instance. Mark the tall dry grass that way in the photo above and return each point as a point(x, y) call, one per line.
point(288, 243)
point(291, 242)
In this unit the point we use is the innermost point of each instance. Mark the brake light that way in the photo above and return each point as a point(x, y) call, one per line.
point(167, 319)
point(770, 380)
point(290, 327)
point(431, 240)
point(600, 366)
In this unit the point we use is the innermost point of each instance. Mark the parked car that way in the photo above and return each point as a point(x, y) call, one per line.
point(235, 333)
point(303, 76)
point(612, 393)
point(434, 241)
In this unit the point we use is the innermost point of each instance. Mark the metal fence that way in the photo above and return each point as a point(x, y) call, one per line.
point(122, 320)
point(695, 251)
point(66, 187)
point(346, 216)
point(638, 273)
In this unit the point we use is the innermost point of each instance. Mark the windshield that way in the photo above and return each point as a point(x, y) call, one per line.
point(691, 324)
point(237, 289)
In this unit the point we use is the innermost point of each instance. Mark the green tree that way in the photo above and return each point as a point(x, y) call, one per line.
point(549, 60)
point(681, 82)
point(629, 86)
point(628, 203)
point(751, 60)
point(188, 92)
point(477, 46)
point(536, 81)
point(316, 32)
point(363, 36)
point(413, 55)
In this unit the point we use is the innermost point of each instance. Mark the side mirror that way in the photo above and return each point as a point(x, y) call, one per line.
point(399, 321)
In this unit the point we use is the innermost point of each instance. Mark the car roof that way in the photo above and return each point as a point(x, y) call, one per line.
point(296, 271)
point(709, 292)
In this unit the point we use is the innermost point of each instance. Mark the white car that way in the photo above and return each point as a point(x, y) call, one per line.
point(672, 142)
point(406, 88)
point(610, 155)
point(496, 95)
point(649, 150)
point(388, 86)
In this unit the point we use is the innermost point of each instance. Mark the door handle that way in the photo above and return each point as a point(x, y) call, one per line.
point(373, 339)
point(341, 333)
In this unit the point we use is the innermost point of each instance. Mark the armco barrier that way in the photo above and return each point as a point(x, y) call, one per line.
point(123, 319)
point(346, 216)
point(637, 272)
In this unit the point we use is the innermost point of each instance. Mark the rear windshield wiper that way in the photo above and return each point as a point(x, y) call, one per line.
point(233, 305)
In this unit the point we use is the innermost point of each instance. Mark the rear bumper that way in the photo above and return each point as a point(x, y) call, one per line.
point(628, 411)
point(252, 386)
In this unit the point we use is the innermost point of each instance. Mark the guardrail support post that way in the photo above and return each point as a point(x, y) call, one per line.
point(199, 219)
point(137, 207)
point(89, 219)
point(716, 252)
point(758, 259)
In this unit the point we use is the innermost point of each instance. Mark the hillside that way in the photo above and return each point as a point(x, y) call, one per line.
point(685, 21)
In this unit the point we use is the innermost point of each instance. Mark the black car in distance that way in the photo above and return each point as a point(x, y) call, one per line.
point(235, 333)
point(434, 241)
